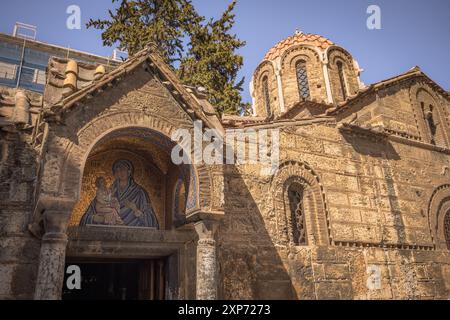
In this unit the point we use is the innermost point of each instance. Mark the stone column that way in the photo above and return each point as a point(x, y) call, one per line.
point(52, 256)
point(51, 266)
point(206, 260)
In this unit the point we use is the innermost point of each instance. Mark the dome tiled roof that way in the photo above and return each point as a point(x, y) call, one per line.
point(298, 38)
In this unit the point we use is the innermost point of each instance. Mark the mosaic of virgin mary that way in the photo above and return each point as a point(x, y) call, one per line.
point(125, 203)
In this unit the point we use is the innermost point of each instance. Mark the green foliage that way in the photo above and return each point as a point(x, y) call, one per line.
point(137, 23)
point(212, 62)
point(209, 60)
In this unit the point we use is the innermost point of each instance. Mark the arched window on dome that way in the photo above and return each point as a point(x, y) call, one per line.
point(302, 80)
point(340, 67)
point(266, 95)
point(297, 213)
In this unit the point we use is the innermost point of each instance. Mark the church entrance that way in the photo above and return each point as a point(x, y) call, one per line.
point(118, 280)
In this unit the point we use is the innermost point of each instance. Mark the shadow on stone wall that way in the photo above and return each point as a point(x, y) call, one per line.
point(19, 250)
point(385, 153)
point(250, 266)
point(376, 148)
point(394, 230)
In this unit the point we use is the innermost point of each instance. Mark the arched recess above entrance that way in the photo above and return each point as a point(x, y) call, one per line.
point(439, 217)
point(65, 162)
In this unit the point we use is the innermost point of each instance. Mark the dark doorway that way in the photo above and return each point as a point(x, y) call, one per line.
point(118, 280)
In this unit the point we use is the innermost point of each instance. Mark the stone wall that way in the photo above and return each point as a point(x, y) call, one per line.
point(378, 202)
point(398, 108)
point(19, 251)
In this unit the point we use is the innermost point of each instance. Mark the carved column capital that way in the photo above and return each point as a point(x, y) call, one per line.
point(55, 217)
point(51, 215)
point(206, 230)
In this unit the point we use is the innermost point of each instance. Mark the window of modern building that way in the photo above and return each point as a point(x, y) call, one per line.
point(8, 71)
point(39, 76)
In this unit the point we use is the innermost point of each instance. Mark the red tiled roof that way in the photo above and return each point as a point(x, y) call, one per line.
point(298, 38)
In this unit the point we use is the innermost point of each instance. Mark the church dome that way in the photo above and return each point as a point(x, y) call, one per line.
point(303, 67)
point(298, 38)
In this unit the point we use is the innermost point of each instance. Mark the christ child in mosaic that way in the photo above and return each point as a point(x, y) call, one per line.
point(106, 206)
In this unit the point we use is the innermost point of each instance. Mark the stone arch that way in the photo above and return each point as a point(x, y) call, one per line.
point(316, 79)
point(266, 69)
point(290, 55)
point(66, 157)
point(335, 55)
point(333, 52)
point(438, 209)
point(316, 216)
point(422, 97)
point(179, 201)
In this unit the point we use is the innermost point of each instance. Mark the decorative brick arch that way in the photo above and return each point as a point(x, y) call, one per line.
point(265, 69)
point(334, 54)
point(317, 220)
point(419, 93)
point(66, 158)
point(438, 208)
point(316, 79)
point(288, 57)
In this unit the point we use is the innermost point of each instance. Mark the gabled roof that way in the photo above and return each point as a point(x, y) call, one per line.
point(321, 109)
point(102, 81)
point(410, 74)
point(315, 107)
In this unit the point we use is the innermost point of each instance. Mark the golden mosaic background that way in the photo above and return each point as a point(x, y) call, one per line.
point(146, 175)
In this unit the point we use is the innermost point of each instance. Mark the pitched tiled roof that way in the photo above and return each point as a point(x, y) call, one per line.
point(412, 73)
point(298, 38)
point(69, 83)
point(17, 106)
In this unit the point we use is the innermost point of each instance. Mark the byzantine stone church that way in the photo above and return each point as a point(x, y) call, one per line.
point(358, 208)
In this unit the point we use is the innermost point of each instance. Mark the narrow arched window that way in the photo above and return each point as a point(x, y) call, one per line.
point(302, 80)
point(447, 229)
point(266, 95)
point(340, 67)
point(297, 214)
point(179, 203)
point(431, 124)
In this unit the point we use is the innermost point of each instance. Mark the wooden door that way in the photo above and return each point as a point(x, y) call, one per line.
point(152, 280)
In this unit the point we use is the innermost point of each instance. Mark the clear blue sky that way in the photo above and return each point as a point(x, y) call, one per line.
point(413, 32)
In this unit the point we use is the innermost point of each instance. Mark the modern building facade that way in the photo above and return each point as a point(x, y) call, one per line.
point(23, 61)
